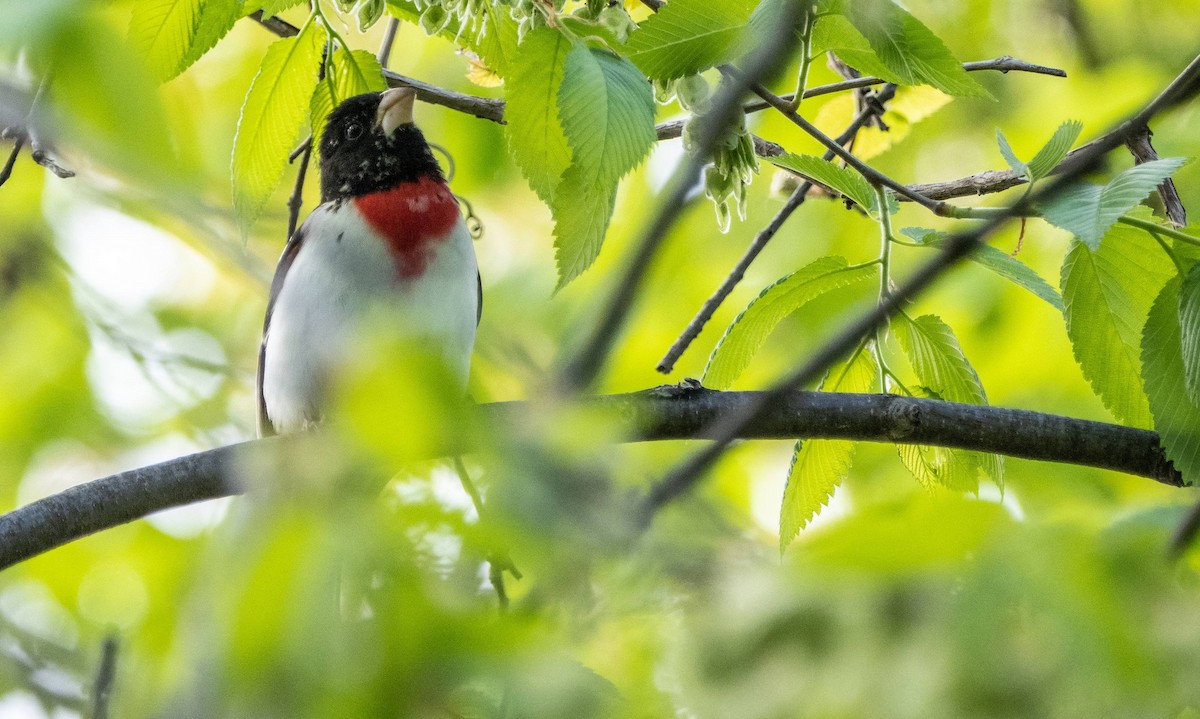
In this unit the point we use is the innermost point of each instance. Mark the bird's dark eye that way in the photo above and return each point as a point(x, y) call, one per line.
point(354, 131)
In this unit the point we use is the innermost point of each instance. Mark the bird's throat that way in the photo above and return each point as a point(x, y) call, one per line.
point(414, 218)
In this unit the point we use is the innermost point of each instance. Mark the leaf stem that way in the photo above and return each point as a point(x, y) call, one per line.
point(1152, 228)
point(885, 279)
point(1170, 253)
point(806, 30)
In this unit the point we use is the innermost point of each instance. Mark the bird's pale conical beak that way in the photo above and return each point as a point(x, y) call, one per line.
point(395, 109)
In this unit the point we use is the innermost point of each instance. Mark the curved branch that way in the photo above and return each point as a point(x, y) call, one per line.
point(664, 413)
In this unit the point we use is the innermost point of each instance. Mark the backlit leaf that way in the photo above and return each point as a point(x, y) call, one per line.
point(1106, 295)
point(841, 179)
point(747, 333)
point(1176, 413)
point(1088, 211)
point(1055, 149)
point(162, 31)
point(272, 116)
point(1189, 326)
point(687, 36)
point(535, 135)
point(820, 465)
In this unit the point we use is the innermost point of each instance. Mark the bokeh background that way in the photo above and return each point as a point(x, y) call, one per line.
point(130, 312)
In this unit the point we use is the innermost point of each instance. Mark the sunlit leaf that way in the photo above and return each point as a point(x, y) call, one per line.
point(841, 179)
point(162, 31)
point(606, 109)
point(1002, 263)
point(1055, 149)
point(535, 135)
point(1189, 327)
point(272, 115)
point(833, 32)
point(1009, 156)
point(747, 333)
point(217, 18)
point(1087, 211)
point(687, 36)
point(350, 73)
point(1176, 413)
point(1106, 295)
point(820, 465)
point(910, 49)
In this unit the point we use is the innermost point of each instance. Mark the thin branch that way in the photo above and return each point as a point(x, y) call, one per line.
point(481, 107)
point(389, 38)
point(297, 198)
point(105, 676)
point(667, 363)
point(729, 428)
point(6, 171)
point(1142, 151)
point(875, 177)
point(664, 413)
point(774, 49)
point(275, 24)
point(26, 134)
point(674, 128)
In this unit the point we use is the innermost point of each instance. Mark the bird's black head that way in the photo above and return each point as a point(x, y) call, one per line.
point(370, 144)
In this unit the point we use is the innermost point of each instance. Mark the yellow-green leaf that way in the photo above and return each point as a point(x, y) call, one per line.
point(162, 31)
point(273, 114)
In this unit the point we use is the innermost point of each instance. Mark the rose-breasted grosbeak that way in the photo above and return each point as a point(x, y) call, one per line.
point(388, 236)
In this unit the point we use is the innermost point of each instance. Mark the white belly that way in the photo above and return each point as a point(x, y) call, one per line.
point(335, 284)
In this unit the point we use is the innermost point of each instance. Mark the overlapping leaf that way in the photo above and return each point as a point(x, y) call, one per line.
point(747, 333)
point(273, 114)
point(1002, 263)
point(820, 465)
point(1189, 327)
point(1176, 413)
point(909, 49)
point(1107, 294)
point(941, 367)
point(162, 31)
point(687, 36)
point(841, 179)
point(1088, 211)
point(606, 109)
point(535, 135)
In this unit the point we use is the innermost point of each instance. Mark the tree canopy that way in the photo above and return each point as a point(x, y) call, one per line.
point(916, 279)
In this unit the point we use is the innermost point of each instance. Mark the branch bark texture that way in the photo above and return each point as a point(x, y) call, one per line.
point(664, 413)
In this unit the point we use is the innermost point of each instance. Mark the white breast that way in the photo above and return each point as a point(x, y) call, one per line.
point(343, 273)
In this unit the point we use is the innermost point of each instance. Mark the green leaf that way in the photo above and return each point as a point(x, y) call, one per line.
point(910, 49)
point(161, 31)
point(833, 32)
point(1106, 295)
point(1189, 325)
point(1087, 211)
point(840, 179)
point(217, 18)
point(938, 362)
point(747, 333)
point(350, 73)
point(1055, 149)
point(272, 7)
point(273, 114)
point(1009, 156)
point(606, 108)
point(820, 465)
point(687, 36)
point(1176, 414)
point(1002, 263)
point(535, 135)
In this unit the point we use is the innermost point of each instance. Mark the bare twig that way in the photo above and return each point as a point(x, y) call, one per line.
point(6, 171)
point(1142, 151)
point(481, 107)
point(674, 128)
point(105, 676)
point(875, 177)
point(663, 413)
point(27, 134)
point(275, 24)
point(681, 478)
point(297, 198)
point(389, 38)
point(667, 363)
point(654, 5)
point(588, 361)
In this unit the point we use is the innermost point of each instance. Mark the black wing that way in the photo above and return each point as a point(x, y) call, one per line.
point(265, 428)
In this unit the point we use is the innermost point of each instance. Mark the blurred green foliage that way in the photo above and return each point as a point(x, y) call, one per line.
point(131, 305)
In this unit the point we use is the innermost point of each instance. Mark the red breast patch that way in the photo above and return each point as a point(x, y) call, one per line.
point(414, 218)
